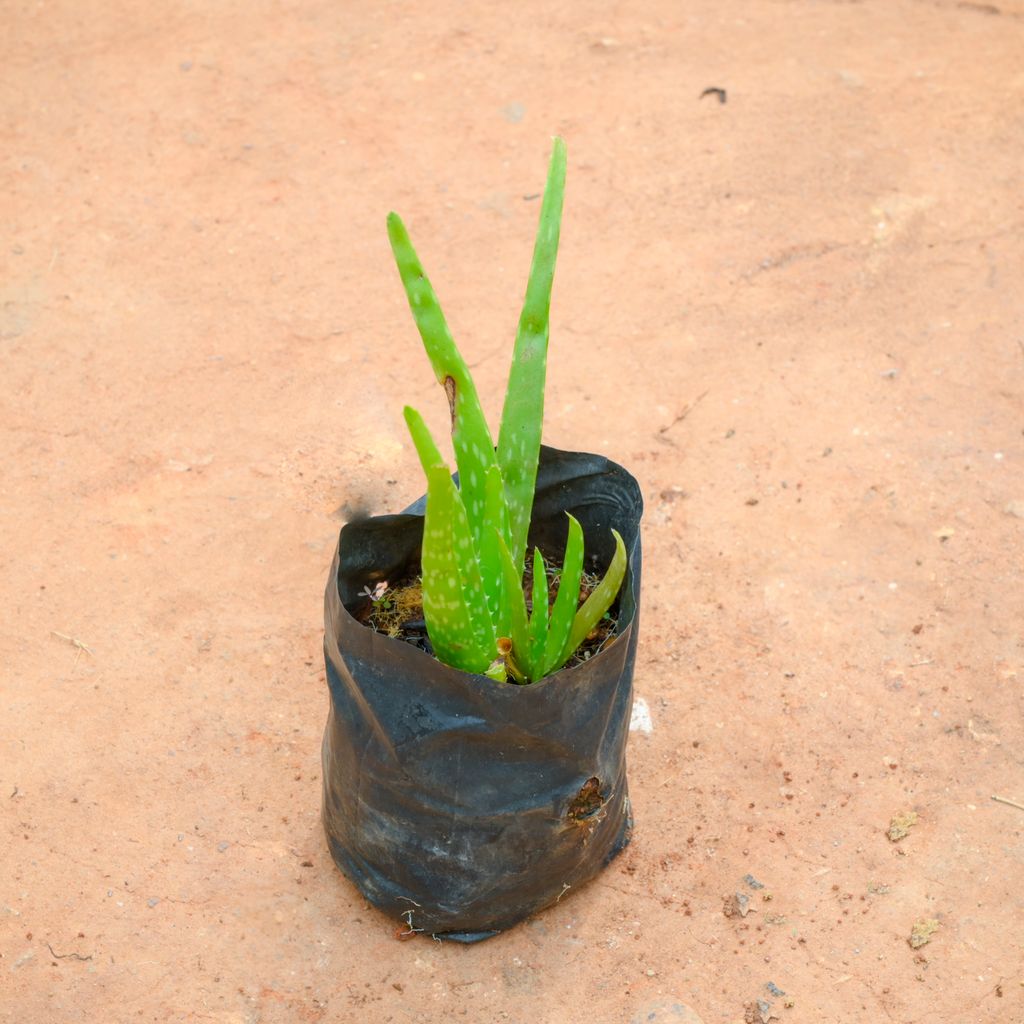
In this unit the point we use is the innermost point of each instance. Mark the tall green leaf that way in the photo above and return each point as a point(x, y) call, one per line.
point(523, 415)
point(474, 542)
point(471, 437)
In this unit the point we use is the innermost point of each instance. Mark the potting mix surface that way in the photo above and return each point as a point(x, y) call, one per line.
point(788, 300)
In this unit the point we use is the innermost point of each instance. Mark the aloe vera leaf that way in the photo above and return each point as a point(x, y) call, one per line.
point(522, 417)
point(454, 607)
point(426, 447)
point(490, 576)
point(537, 633)
point(563, 610)
point(471, 437)
point(599, 602)
point(517, 607)
point(491, 570)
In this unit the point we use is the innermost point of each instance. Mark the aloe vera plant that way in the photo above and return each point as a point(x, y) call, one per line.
point(475, 532)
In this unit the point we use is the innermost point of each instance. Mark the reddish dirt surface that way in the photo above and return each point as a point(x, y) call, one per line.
point(797, 316)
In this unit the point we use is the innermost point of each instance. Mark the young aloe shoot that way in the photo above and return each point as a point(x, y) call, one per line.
point(474, 534)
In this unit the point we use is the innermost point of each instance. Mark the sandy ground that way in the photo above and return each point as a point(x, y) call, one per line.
point(797, 316)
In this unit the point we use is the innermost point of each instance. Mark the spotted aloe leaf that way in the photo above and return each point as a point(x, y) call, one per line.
point(471, 437)
point(454, 603)
point(491, 570)
point(495, 521)
point(453, 596)
point(523, 415)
